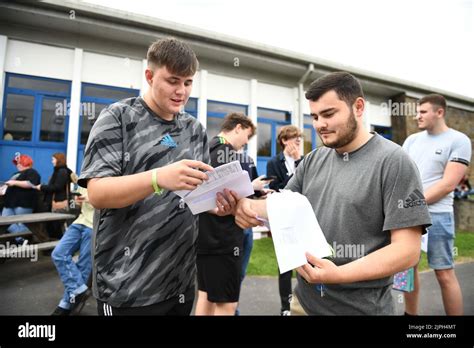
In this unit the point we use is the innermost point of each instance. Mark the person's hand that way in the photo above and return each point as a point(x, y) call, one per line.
point(293, 150)
point(80, 199)
point(37, 187)
point(320, 271)
point(265, 192)
point(10, 183)
point(226, 203)
point(182, 175)
point(258, 184)
point(245, 216)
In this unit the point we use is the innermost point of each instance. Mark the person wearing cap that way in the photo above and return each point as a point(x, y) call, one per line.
point(20, 197)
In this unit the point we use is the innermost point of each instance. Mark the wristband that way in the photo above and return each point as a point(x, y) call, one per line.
point(158, 190)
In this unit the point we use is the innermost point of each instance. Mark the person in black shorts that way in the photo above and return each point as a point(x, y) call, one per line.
point(220, 241)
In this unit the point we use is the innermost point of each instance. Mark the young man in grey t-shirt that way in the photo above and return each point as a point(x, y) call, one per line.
point(366, 194)
point(442, 155)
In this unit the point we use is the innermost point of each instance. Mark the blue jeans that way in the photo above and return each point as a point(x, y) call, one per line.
point(73, 275)
point(441, 241)
point(248, 245)
point(17, 228)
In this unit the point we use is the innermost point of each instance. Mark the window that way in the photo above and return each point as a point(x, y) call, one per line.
point(310, 139)
point(216, 111)
point(18, 120)
point(213, 126)
point(264, 143)
point(191, 107)
point(35, 110)
point(269, 123)
point(34, 121)
point(214, 107)
point(38, 84)
point(386, 132)
point(53, 120)
point(94, 99)
point(106, 92)
point(276, 115)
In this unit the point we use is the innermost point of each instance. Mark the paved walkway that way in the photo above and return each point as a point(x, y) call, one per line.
point(34, 288)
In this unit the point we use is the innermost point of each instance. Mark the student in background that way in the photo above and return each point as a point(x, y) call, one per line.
point(220, 240)
point(19, 194)
point(442, 155)
point(74, 275)
point(282, 167)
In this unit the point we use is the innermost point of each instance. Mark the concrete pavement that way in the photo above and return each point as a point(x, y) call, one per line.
point(34, 288)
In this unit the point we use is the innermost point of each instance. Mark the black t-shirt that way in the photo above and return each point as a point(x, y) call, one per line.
point(220, 234)
point(20, 197)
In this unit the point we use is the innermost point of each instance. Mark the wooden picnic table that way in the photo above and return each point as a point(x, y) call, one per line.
point(34, 222)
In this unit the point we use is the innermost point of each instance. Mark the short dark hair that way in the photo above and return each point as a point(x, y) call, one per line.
point(175, 55)
point(346, 86)
point(288, 132)
point(235, 118)
point(437, 100)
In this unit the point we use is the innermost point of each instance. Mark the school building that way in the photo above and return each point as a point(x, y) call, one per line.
point(62, 62)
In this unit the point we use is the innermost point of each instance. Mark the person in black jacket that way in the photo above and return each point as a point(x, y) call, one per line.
point(20, 196)
point(56, 190)
point(282, 167)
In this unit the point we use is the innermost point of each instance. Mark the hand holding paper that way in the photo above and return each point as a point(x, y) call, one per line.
point(228, 176)
point(295, 230)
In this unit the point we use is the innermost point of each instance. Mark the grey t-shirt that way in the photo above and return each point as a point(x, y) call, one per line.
point(144, 253)
point(358, 198)
point(432, 153)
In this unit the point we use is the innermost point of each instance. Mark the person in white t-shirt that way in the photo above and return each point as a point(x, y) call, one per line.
point(442, 156)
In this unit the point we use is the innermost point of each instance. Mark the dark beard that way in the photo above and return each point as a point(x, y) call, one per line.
point(349, 134)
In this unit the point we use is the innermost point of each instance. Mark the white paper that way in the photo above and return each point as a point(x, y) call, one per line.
point(228, 176)
point(295, 230)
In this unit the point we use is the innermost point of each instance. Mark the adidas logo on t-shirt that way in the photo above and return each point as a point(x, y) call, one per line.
point(167, 140)
point(415, 199)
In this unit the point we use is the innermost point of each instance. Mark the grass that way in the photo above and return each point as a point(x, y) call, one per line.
point(263, 259)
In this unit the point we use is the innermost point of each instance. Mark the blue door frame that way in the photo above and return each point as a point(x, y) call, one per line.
point(262, 160)
point(40, 151)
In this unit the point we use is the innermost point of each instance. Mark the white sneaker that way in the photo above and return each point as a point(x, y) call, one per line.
point(285, 313)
